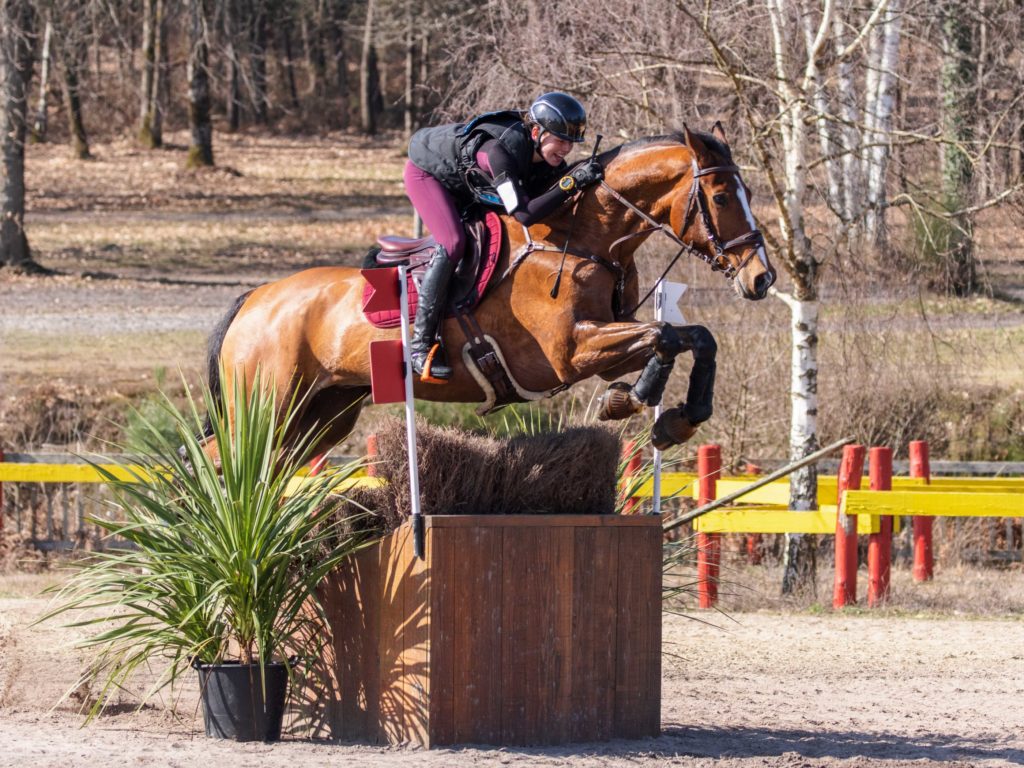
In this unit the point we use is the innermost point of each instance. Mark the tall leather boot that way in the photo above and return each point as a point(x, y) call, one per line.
point(433, 294)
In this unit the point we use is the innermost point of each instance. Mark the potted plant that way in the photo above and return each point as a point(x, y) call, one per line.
point(214, 565)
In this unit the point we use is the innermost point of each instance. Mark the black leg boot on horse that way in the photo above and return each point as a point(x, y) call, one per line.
point(433, 295)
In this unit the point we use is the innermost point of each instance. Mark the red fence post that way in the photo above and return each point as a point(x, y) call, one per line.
point(317, 463)
point(923, 560)
point(631, 456)
point(880, 544)
point(709, 545)
point(850, 471)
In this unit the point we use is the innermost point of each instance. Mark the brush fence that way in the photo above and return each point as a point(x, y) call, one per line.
point(514, 630)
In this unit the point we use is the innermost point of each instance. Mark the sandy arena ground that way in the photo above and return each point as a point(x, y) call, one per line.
point(759, 689)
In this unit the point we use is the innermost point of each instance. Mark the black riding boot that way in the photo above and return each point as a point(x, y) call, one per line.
point(433, 295)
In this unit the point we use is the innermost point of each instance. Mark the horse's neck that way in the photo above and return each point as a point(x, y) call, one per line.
point(647, 177)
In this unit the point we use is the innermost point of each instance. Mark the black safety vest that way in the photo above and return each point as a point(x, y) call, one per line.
point(446, 152)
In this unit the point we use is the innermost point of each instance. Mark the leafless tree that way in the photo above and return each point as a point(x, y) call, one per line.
point(17, 43)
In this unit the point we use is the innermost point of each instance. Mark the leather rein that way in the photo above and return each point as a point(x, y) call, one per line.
point(696, 202)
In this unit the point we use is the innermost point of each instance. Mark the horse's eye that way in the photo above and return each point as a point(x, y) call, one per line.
point(720, 198)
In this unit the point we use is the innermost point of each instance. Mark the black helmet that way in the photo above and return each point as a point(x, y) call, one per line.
point(560, 114)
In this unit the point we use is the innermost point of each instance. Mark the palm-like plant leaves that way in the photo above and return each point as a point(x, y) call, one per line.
point(223, 561)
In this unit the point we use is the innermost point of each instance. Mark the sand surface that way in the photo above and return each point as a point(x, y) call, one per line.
point(758, 689)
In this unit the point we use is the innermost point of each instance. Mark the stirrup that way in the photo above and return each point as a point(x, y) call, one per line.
point(427, 376)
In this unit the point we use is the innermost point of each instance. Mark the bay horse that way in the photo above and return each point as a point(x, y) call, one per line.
point(308, 335)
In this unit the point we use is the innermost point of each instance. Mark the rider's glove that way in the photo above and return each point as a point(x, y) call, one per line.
point(582, 176)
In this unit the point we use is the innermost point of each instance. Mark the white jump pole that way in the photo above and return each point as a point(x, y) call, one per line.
point(410, 418)
point(659, 313)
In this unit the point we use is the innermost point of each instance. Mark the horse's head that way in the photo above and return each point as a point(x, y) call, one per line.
point(688, 188)
point(711, 211)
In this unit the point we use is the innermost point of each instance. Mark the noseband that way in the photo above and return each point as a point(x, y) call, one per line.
point(719, 261)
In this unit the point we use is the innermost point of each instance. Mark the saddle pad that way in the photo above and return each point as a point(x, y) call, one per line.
point(491, 247)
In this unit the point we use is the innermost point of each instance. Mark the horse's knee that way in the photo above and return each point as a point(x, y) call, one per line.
point(668, 344)
point(700, 341)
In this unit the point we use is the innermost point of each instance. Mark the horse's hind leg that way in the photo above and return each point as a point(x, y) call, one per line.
point(334, 411)
point(677, 425)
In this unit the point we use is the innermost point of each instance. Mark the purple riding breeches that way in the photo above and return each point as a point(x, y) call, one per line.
point(437, 208)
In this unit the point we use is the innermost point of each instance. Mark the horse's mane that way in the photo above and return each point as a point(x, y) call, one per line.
point(676, 137)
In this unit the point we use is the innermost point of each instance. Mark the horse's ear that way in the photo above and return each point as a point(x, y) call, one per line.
point(719, 132)
point(694, 142)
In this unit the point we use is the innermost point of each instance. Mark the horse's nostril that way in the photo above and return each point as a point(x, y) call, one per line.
point(763, 282)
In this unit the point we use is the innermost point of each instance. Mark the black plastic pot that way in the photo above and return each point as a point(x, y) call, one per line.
point(233, 702)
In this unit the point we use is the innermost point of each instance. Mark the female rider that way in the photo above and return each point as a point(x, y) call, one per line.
point(524, 157)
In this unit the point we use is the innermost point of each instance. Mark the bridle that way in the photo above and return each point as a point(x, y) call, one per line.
point(719, 261)
point(696, 202)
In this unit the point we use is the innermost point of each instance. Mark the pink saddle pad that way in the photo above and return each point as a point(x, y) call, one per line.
point(490, 248)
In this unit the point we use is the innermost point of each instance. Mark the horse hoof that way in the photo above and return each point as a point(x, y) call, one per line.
point(672, 429)
point(618, 402)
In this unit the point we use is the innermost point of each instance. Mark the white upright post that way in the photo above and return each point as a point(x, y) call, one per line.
point(659, 313)
point(410, 417)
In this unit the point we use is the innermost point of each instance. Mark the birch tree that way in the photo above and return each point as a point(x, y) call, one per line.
point(812, 48)
point(41, 121)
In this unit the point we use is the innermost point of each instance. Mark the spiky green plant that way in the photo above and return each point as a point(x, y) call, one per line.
point(222, 561)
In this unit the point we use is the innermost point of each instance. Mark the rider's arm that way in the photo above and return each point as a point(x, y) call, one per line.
point(496, 161)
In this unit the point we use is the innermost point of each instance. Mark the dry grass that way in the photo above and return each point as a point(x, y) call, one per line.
point(572, 471)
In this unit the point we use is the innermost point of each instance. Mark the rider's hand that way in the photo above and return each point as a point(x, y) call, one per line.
point(582, 176)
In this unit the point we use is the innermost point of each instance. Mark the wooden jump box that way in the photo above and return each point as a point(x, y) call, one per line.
point(514, 630)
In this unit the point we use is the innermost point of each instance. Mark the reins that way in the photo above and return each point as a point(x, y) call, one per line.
point(719, 261)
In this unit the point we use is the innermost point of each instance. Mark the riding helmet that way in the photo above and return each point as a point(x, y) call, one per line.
point(560, 114)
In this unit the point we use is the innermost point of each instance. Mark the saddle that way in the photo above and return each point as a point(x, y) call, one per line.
point(471, 277)
point(481, 354)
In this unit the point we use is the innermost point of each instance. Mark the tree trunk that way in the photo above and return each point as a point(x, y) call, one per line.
point(803, 269)
point(409, 111)
point(72, 60)
point(879, 108)
point(799, 557)
point(39, 125)
point(289, 66)
point(17, 41)
point(151, 34)
point(234, 94)
point(161, 76)
point(337, 34)
point(200, 152)
point(258, 63)
point(958, 79)
point(368, 76)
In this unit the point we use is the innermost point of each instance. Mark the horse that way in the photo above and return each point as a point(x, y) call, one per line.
point(563, 309)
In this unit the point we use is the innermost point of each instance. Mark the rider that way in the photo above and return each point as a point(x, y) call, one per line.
point(523, 157)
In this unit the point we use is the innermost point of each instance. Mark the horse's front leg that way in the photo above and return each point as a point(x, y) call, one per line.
point(677, 425)
point(614, 349)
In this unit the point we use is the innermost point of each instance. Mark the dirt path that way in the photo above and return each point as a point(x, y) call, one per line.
point(770, 689)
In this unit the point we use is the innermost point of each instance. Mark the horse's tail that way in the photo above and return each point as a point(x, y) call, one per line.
point(214, 345)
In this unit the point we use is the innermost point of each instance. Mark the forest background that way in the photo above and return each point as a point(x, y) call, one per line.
point(160, 153)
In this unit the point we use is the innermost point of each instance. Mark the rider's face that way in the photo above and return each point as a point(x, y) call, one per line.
point(552, 149)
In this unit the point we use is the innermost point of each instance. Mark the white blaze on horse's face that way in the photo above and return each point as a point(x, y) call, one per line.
point(741, 195)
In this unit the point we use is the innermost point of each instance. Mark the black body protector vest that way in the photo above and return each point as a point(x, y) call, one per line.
point(448, 152)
